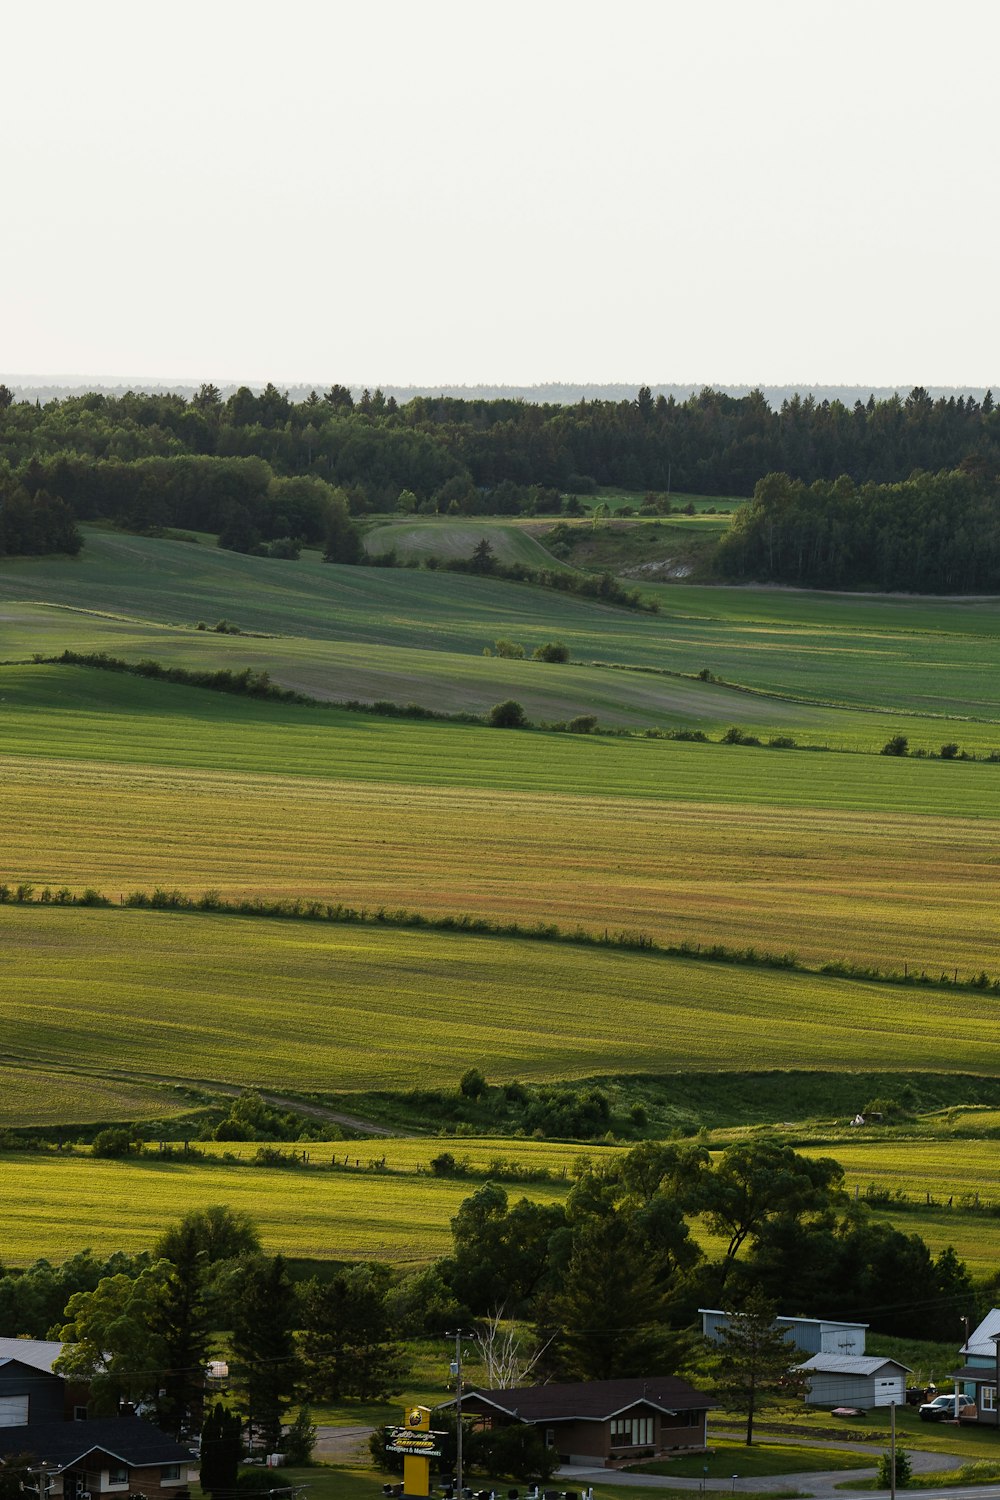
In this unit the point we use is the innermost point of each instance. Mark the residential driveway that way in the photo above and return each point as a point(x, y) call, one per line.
point(341, 1444)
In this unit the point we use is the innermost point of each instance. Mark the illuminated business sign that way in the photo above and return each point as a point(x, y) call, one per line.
point(413, 1444)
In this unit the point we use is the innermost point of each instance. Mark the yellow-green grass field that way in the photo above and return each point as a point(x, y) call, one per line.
point(53, 1205)
point(256, 1002)
point(413, 1154)
point(868, 859)
point(45, 1097)
point(923, 656)
point(944, 1169)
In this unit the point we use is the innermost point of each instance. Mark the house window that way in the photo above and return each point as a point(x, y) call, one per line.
point(79, 1414)
point(117, 1474)
point(170, 1474)
point(631, 1432)
point(988, 1398)
point(13, 1411)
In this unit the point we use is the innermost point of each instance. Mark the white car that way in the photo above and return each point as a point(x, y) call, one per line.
point(942, 1408)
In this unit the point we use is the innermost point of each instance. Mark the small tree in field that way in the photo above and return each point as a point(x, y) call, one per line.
point(898, 745)
point(506, 715)
point(757, 1361)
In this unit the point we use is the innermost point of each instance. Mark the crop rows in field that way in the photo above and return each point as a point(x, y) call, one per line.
point(294, 1005)
point(44, 1097)
point(874, 861)
point(943, 1169)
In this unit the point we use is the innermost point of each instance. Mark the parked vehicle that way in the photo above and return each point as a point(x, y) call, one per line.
point(942, 1409)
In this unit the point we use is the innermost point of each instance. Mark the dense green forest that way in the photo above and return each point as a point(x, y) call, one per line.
point(931, 533)
point(898, 493)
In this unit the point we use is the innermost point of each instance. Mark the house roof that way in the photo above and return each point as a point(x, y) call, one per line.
point(850, 1364)
point(591, 1400)
point(986, 1375)
point(130, 1440)
point(42, 1353)
point(980, 1340)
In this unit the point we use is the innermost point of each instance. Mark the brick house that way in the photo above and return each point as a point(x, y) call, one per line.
point(602, 1423)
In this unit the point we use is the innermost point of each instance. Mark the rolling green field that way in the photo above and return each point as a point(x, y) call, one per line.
point(412, 537)
point(55, 1204)
point(123, 783)
point(305, 1006)
point(880, 654)
point(708, 843)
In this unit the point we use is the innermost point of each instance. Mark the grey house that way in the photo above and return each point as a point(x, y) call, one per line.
point(978, 1376)
point(854, 1380)
point(811, 1335)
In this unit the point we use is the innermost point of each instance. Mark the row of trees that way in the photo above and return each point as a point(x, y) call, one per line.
point(613, 1278)
point(141, 1332)
point(709, 444)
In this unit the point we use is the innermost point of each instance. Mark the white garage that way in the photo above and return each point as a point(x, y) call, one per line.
point(854, 1380)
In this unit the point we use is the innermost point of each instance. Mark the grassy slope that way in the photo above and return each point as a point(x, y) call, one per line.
point(313, 1213)
point(927, 656)
point(324, 1007)
point(713, 843)
point(442, 537)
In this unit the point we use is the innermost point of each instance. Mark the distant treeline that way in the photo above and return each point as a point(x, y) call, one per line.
point(931, 533)
point(448, 452)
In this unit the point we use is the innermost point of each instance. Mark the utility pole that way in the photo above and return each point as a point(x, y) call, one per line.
point(43, 1474)
point(456, 1370)
point(892, 1450)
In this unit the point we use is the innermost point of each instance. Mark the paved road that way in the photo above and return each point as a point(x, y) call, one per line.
point(823, 1485)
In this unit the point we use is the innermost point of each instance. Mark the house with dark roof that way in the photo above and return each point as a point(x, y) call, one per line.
point(45, 1417)
point(108, 1456)
point(979, 1377)
point(602, 1423)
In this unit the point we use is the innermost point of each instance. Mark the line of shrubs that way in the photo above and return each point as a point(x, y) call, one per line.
point(604, 587)
point(302, 909)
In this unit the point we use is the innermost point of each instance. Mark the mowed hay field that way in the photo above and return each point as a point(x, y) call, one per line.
point(863, 858)
point(305, 1006)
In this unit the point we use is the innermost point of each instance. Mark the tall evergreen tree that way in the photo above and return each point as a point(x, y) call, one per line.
point(184, 1327)
point(264, 1359)
point(610, 1313)
point(757, 1361)
point(221, 1451)
point(347, 1347)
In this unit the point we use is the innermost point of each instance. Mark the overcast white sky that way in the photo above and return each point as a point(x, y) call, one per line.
point(433, 192)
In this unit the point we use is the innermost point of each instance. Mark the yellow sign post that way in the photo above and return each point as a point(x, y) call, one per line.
point(418, 1444)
